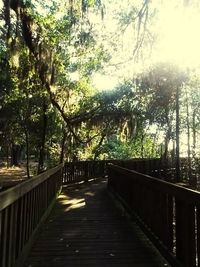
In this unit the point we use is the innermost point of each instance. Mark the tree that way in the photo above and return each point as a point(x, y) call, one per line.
point(51, 49)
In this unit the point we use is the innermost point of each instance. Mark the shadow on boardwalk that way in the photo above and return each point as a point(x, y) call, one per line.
point(86, 229)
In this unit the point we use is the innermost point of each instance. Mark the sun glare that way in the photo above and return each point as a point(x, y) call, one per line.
point(179, 37)
point(104, 82)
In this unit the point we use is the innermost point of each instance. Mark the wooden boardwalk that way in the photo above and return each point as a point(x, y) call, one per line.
point(86, 229)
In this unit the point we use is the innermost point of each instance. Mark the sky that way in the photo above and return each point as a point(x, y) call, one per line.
point(104, 82)
point(177, 40)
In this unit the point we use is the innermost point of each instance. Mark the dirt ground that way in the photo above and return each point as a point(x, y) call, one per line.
point(13, 175)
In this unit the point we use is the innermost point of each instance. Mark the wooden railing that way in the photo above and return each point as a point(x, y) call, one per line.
point(84, 170)
point(22, 209)
point(147, 166)
point(79, 171)
point(169, 213)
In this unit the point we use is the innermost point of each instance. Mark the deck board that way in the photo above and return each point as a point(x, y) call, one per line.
point(86, 229)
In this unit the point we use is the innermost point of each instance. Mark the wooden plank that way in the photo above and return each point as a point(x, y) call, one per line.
point(18, 218)
point(198, 234)
point(10, 234)
point(19, 226)
point(155, 212)
point(155, 208)
point(168, 238)
point(88, 230)
point(180, 192)
point(24, 221)
point(27, 247)
point(4, 237)
point(185, 234)
point(1, 238)
point(29, 215)
point(14, 235)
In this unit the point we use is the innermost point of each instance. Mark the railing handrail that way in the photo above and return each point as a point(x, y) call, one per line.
point(168, 212)
point(12, 194)
point(79, 171)
point(23, 209)
point(175, 189)
point(24, 206)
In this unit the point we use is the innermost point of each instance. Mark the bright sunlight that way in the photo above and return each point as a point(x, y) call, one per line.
point(175, 38)
point(179, 38)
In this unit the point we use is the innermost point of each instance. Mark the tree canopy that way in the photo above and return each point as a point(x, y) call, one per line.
point(50, 108)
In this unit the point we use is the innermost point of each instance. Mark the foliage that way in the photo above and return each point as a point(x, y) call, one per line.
point(49, 108)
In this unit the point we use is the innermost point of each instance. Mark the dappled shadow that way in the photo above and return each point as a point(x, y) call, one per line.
point(85, 229)
point(11, 176)
point(80, 195)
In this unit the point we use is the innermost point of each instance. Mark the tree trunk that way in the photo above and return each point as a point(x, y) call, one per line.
point(194, 134)
point(165, 160)
point(168, 133)
point(15, 153)
point(188, 140)
point(63, 145)
point(7, 155)
point(7, 18)
point(167, 138)
point(177, 135)
point(97, 149)
point(194, 141)
point(142, 144)
point(43, 139)
point(27, 154)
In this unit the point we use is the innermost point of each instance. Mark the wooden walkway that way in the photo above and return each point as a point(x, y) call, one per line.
point(86, 229)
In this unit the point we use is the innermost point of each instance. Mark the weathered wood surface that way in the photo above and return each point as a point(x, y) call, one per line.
point(77, 171)
point(22, 210)
point(168, 212)
point(86, 229)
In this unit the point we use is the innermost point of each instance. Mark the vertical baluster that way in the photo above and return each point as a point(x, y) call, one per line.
point(198, 234)
point(1, 238)
point(185, 234)
point(4, 237)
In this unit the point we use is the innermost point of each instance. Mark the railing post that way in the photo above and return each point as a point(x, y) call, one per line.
point(167, 210)
point(86, 171)
point(185, 234)
point(64, 175)
point(22, 209)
